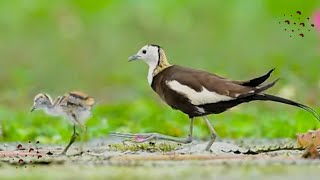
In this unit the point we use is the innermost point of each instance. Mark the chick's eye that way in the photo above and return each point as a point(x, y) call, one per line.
point(144, 51)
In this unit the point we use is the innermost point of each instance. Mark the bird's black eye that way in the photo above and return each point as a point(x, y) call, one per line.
point(144, 51)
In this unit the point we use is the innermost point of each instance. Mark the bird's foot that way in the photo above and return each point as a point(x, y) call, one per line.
point(76, 154)
point(58, 154)
point(143, 137)
point(137, 138)
point(90, 153)
point(64, 153)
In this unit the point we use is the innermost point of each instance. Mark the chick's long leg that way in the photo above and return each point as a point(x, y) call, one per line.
point(83, 131)
point(73, 138)
point(82, 137)
point(143, 137)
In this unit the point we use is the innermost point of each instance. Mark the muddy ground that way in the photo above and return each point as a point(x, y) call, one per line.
point(115, 159)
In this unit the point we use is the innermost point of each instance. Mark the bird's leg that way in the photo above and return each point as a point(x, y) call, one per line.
point(143, 137)
point(73, 138)
point(83, 131)
point(82, 137)
point(213, 134)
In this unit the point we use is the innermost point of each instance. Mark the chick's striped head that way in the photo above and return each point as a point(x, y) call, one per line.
point(41, 101)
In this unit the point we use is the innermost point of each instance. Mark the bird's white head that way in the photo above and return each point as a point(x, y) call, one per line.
point(41, 101)
point(149, 54)
point(154, 56)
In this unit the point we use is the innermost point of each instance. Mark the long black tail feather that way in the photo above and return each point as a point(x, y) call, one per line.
point(268, 97)
point(257, 81)
point(259, 89)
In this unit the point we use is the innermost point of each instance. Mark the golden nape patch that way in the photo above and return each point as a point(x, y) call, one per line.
point(163, 64)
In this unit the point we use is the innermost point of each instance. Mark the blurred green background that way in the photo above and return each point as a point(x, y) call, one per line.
point(58, 46)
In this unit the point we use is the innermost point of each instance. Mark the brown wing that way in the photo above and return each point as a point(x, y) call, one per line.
point(197, 79)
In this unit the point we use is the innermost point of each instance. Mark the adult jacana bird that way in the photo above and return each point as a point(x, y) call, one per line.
point(199, 93)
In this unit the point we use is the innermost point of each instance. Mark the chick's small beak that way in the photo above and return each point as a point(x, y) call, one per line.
point(33, 108)
point(134, 57)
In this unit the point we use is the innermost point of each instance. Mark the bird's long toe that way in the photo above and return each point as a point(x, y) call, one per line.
point(76, 154)
point(134, 137)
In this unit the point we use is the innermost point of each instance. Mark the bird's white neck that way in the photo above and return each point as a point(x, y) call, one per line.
point(152, 67)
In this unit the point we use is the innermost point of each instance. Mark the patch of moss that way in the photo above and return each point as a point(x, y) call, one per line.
point(148, 147)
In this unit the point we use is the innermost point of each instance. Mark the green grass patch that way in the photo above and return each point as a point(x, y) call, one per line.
point(255, 120)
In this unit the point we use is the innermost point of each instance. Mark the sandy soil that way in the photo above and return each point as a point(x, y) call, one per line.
point(228, 159)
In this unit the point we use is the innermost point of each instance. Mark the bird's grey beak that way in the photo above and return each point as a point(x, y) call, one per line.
point(33, 108)
point(134, 57)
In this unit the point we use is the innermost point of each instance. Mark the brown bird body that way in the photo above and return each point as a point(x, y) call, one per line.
point(195, 80)
point(199, 93)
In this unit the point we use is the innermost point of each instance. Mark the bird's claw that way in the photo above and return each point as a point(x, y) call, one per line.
point(76, 154)
point(137, 138)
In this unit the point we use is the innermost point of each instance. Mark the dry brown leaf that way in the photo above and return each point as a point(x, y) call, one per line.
point(311, 141)
point(311, 152)
point(309, 138)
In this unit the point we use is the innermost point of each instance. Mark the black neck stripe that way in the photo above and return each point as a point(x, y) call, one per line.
point(159, 56)
point(159, 48)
